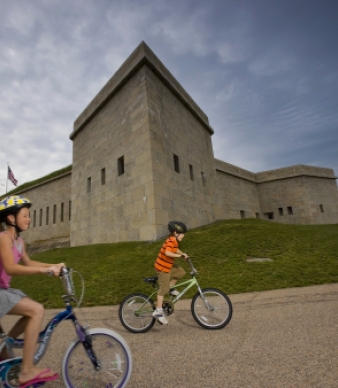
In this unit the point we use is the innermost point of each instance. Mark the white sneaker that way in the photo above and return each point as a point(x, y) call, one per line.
point(174, 292)
point(158, 314)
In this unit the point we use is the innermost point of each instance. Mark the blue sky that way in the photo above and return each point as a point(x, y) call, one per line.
point(265, 72)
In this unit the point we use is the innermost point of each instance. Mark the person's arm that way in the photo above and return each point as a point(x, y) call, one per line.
point(54, 268)
point(182, 254)
point(13, 269)
point(177, 254)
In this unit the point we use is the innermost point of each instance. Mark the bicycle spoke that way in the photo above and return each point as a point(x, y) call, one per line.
point(211, 308)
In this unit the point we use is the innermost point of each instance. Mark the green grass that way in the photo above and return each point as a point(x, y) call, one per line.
point(302, 256)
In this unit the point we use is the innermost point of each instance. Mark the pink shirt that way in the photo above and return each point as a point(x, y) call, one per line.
point(17, 252)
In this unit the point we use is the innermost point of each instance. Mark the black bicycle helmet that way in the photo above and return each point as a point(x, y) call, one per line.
point(11, 205)
point(177, 226)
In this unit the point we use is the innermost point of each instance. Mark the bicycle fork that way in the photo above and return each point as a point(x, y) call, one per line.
point(207, 304)
point(87, 343)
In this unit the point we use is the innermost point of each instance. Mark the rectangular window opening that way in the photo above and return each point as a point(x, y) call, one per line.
point(34, 218)
point(62, 211)
point(40, 217)
point(176, 164)
point(103, 176)
point(269, 216)
point(280, 211)
point(120, 166)
point(321, 207)
point(290, 211)
point(47, 215)
point(204, 179)
point(89, 185)
point(191, 170)
point(54, 214)
point(70, 210)
point(258, 215)
point(242, 212)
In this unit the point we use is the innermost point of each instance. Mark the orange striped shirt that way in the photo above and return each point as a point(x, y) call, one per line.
point(163, 262)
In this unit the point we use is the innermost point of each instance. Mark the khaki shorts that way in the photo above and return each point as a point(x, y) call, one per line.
point(164, 278)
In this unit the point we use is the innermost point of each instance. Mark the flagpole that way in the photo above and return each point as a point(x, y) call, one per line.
point(7, 177)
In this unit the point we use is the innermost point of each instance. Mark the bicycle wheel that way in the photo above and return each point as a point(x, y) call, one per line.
point(135, 313)
point(212, 309)
point(11, 375)
point(113, 355)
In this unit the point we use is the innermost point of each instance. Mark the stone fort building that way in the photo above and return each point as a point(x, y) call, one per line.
point(143, 155)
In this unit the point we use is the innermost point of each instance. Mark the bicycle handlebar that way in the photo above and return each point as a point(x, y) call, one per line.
point(194, 270)
point(63, 271)
point(67, 281)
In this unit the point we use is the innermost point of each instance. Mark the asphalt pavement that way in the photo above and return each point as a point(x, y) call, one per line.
point(283, 338)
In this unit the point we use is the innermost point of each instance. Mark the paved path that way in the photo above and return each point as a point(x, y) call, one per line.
point(284, 338)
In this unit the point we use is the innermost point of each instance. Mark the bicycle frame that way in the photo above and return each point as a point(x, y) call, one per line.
point(45, 335)
point(188, 283)
point(44, 339)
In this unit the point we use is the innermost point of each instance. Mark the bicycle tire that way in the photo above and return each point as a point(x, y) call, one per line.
point(134, 319)
point(114, 357)
point(216, 313)
point(10, 379)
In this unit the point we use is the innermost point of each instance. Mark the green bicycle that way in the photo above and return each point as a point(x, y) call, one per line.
point(210, 307)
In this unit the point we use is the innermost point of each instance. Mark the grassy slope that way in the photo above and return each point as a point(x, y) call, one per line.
point(302, 256)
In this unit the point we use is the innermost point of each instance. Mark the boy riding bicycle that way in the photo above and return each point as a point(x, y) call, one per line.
point(168, 271)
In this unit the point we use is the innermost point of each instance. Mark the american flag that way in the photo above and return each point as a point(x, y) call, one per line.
point(11, 177)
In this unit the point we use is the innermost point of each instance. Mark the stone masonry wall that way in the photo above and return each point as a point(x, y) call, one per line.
point(322, 208)
point(236, 195)
point(50, 217)
point(186, 192)
point(116, 210)
point(298, 200)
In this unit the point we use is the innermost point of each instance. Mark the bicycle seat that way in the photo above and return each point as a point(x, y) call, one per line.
point(152, 280)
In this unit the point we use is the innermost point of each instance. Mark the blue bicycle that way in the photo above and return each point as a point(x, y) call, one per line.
point(96, 357)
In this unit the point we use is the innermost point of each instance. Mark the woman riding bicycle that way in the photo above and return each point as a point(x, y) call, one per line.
point(15, 218)
point(167, 271)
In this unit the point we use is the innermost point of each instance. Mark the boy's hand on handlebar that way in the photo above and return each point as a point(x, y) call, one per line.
point(184, 256)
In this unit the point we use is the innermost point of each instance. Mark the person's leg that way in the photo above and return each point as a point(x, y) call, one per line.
point(163, 282)
point(176, 273)
point(15, 332)
point(18, 328)
point(34, 313)
point(164, 286)
point(159, 301)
